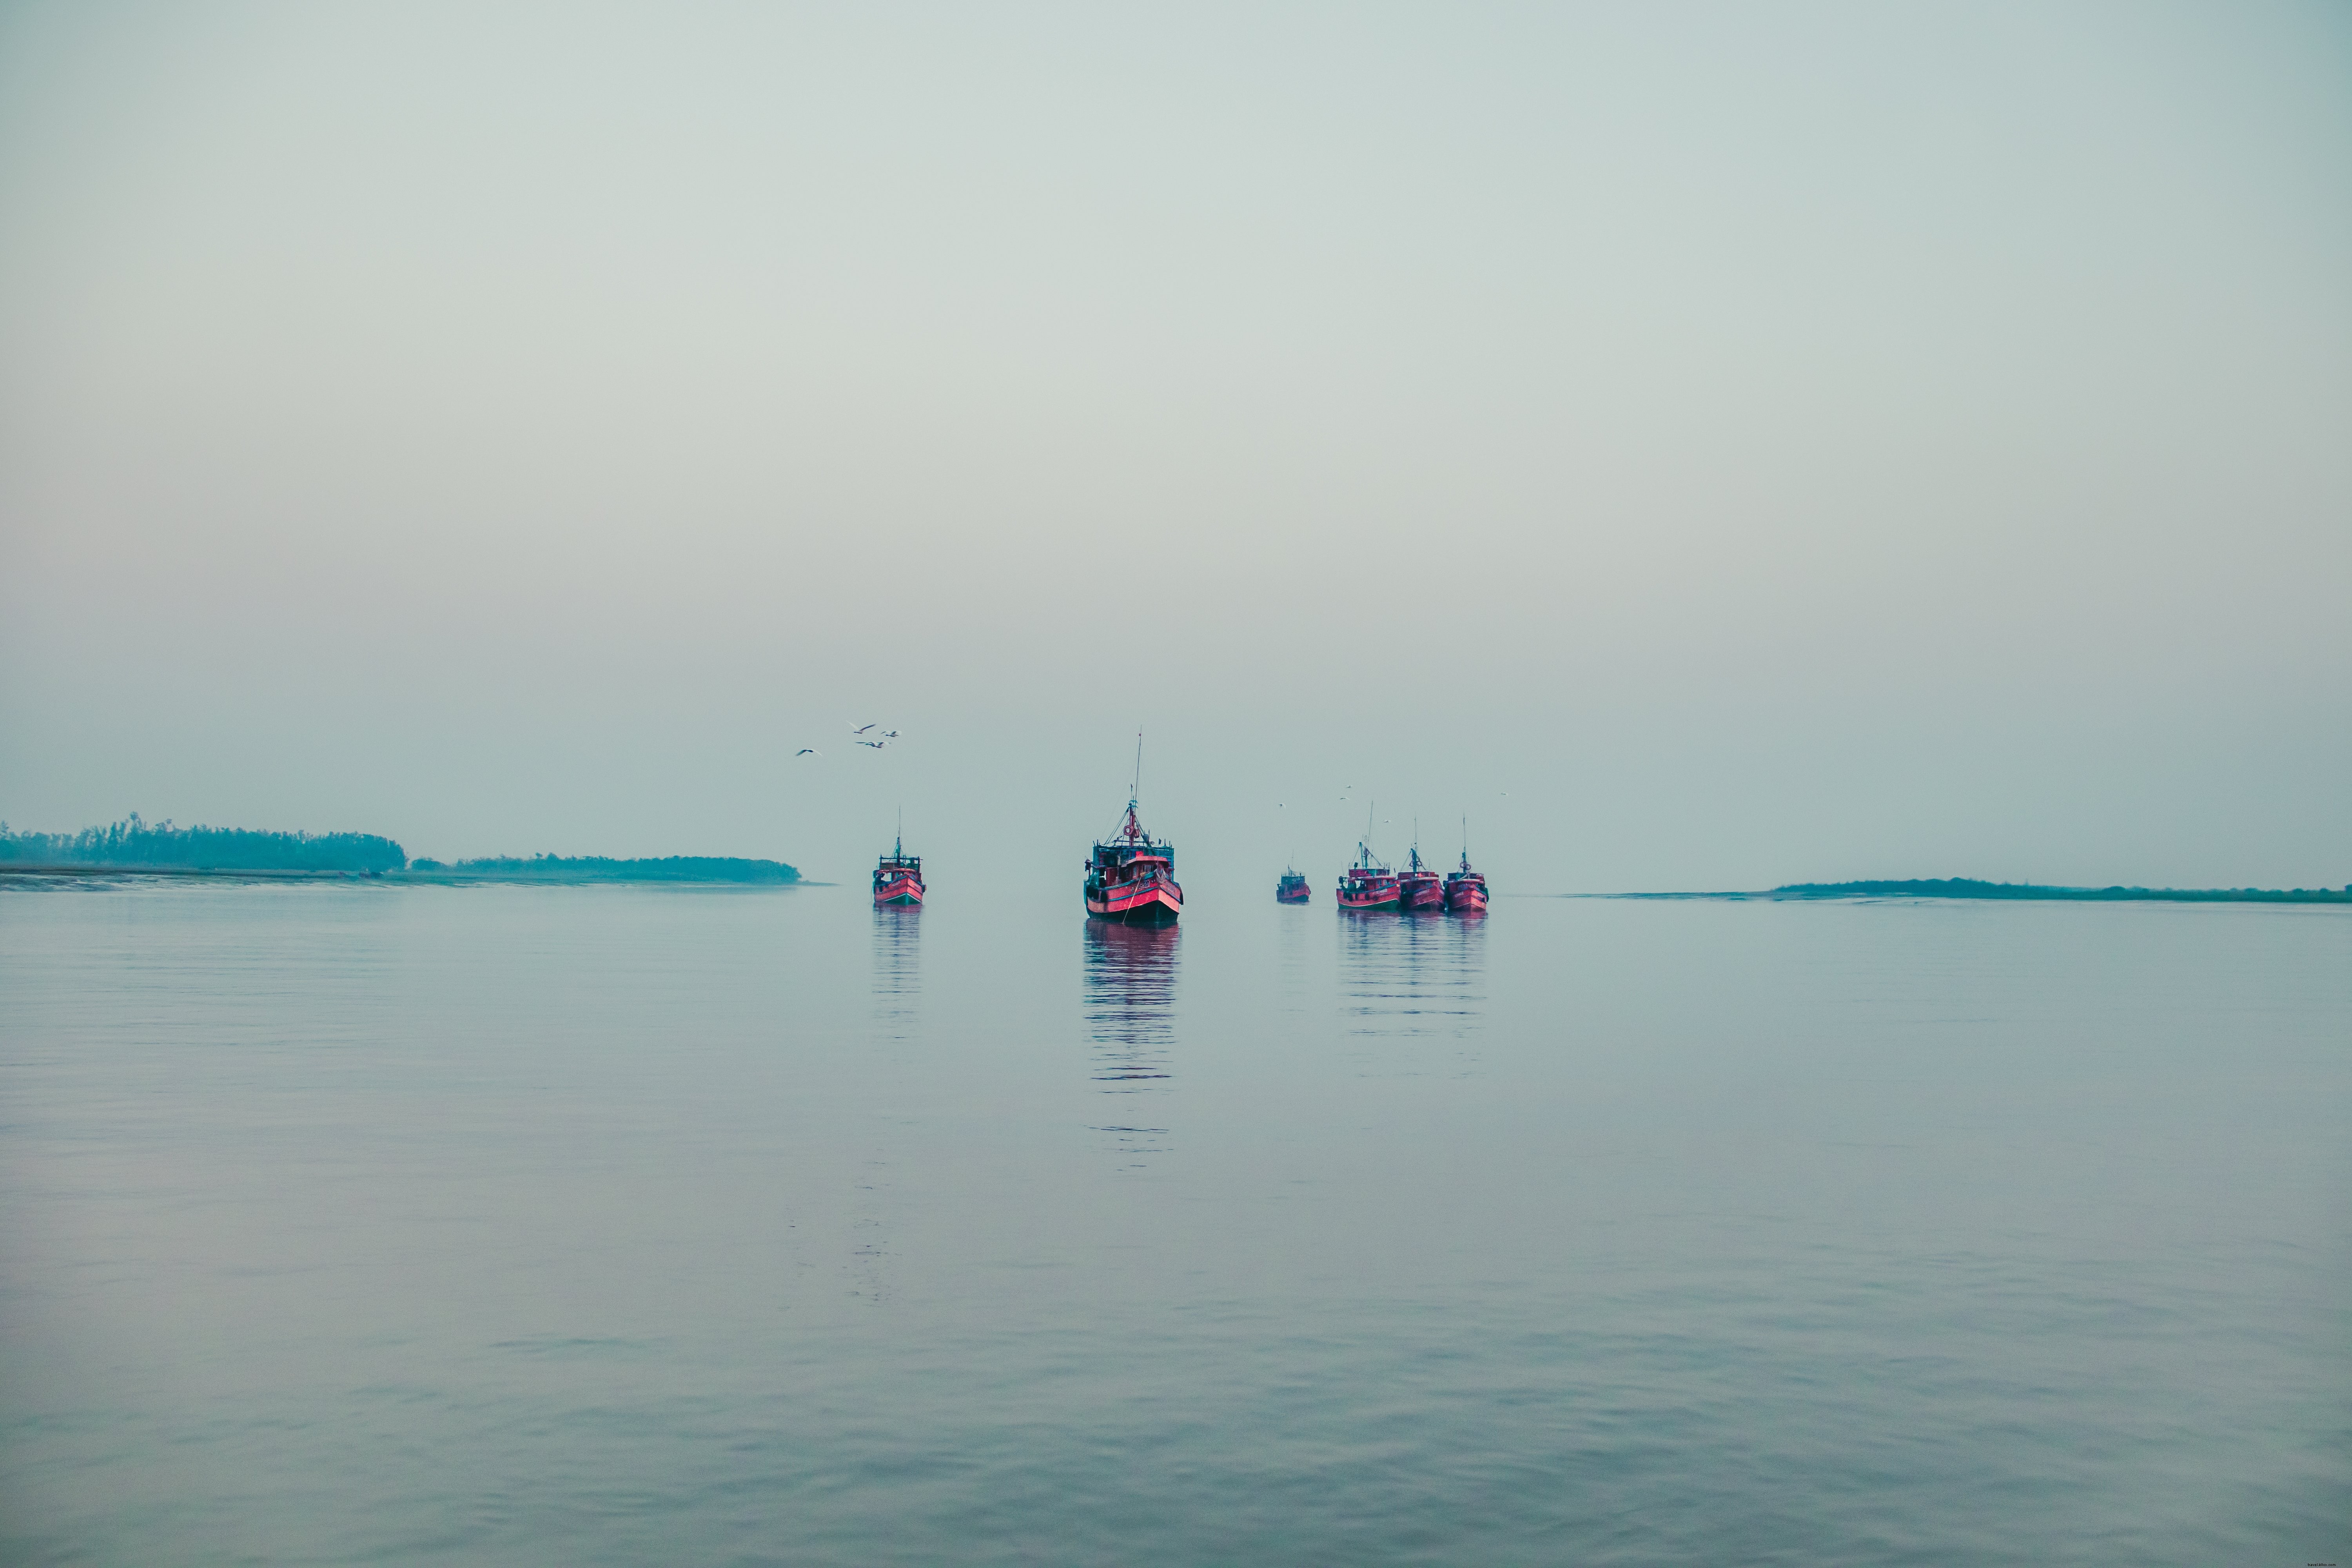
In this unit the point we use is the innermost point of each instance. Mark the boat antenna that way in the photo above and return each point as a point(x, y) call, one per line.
point(898, 847)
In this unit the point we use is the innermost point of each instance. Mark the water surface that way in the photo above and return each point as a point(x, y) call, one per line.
point(615, 1225)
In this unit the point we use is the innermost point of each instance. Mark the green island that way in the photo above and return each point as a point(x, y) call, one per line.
point(135, 848)
point(1967, 888)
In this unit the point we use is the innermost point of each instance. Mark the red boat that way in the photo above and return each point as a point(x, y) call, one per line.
point(1466, 891)
point(1131, 876)
point(1367, 884)
point(899, 877)
point(1292, 889)
point(1417, 885)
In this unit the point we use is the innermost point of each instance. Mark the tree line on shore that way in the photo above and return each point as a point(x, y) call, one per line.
point(132, 842)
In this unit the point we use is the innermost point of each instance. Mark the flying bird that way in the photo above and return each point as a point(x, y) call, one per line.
point(877, 745)
point(808, 751)
point(859, 729)
point(889, 735)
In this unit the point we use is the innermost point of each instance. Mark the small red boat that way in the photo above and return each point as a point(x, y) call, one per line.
point(1418, 888)
point(1292, 889)
point(1131, 875)
point(1466, 891)
point(1368, 885)
point(899, 877)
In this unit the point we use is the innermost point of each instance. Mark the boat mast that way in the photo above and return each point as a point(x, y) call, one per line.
point(1134, 829)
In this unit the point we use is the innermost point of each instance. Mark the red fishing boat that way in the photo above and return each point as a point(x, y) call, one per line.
point(1367, 884)
point(1466, 891)
point(1131, 875)
point(899, 877)
point(1292, 889)
point(1418, 888)
point(1131, 878)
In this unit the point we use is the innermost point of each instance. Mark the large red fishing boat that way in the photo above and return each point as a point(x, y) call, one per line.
point(1466, 891)
point(1131, 875)
point(1292, 889)
point(1131, 878)
point(899, 877)
point(1367, 884)
point(1417, 885)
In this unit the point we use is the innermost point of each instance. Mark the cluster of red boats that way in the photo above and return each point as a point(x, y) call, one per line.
point(1132, 878)
point(1370, 887)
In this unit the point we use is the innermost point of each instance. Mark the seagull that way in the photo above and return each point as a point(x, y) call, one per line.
point(808, 751)
point(877, 745)
point(889, 735)
point(860, 729)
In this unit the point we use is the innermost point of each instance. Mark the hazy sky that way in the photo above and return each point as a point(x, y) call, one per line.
point(1708, 446)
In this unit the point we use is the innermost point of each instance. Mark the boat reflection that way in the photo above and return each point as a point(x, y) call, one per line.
point(898, 966)
point(1129, 999)
point(1414, 981)
point(1295, 959)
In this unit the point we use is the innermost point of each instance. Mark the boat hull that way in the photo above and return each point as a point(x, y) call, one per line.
point(1157, 906)
point(1465, 898)
point(1293, 895)
point(904, 892)
point(1151, 899)
point(1420, 895)
point(1370, 903)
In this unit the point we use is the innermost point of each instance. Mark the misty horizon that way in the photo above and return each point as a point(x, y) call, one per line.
point(1811, 445)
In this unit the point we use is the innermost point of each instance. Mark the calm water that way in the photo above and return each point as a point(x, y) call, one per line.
point(604, 1226)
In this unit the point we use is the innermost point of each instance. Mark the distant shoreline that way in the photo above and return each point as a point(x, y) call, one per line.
point(71, 869)
point(136, 848)
point(1963, 888)
point(707, 869)
point(750, 874)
